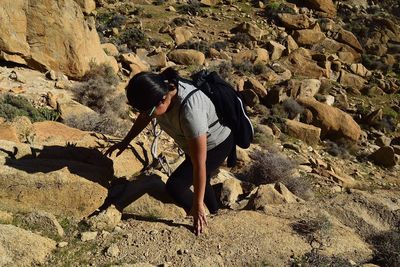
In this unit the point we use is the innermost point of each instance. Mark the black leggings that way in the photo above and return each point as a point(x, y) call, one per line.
point(178, 184)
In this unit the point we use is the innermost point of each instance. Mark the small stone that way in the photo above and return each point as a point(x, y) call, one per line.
point(154, 232)
point(171, 8)
point(18, 77)
point(51, 75)
point(61, 84)
point(118, 229)
point(106, 220)
point(112, 251)
point(87, 236)
point(336, 189)
point(62, 244)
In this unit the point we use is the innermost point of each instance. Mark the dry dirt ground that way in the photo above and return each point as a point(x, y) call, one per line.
point(243, 238)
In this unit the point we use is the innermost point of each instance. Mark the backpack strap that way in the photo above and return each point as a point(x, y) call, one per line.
point(184, 101)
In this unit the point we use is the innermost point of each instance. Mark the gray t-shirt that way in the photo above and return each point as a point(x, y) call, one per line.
point(196, 116)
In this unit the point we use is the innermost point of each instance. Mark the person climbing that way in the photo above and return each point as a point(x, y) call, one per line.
point(195, 128)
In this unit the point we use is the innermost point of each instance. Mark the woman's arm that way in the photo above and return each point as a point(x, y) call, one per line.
point(198, 155)
point(140, 123)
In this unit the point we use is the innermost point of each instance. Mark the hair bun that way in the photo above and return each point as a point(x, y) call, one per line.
point(170, 75)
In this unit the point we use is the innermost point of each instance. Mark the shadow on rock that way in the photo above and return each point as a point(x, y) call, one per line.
point(88, 163)
point(146, 197)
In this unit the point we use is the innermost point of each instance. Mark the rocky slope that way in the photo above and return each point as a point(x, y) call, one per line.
point(319, 186)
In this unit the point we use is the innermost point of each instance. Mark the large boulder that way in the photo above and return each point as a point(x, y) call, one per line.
point(345, 52)
point(272, 194)
point(326, 6)
point(350, 39)
point(8, 132)
point(250, 29)
point(147, 196)
point(304, 88)
point(230, 192)
point(295, 21)
point(187, 57)
point(308, 37)
point(258, 55)
point(19, 247)
point(307, 133)
point(181, 35)
point(276, 49)
point(28, 185)
point(351, 80)
point(300, 62)
point(65, 143)
point(50, 34)
point(334, 123)
point(210, 2)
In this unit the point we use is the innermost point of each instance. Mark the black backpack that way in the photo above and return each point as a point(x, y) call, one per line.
point(229, 107)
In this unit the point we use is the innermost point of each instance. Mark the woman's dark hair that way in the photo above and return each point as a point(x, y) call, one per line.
point(146, 89)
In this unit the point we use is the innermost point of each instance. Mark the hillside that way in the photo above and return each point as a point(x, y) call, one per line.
point(319, 185)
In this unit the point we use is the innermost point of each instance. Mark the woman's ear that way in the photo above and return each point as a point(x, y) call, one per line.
point(171, 87)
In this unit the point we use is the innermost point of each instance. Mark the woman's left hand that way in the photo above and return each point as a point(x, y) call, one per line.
point(199, 219)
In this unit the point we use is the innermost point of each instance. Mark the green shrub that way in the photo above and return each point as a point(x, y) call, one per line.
point(12, 106)
point(273, 8)
point(134, 38)
point(193, 8)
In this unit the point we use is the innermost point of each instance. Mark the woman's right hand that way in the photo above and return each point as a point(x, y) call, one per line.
point(121, 146)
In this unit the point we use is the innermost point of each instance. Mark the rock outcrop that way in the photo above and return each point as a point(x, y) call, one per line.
point(19, 247)
point(49, 35)
point(333, 122)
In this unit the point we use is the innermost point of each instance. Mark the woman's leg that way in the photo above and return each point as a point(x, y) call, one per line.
point(178, 185)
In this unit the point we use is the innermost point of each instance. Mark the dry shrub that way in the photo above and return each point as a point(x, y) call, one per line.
point(106, 123)
point(315, 259)
point(262, 137)
point(192, 8)
point(242, 38)
point(313, 228)
point(292, 107)
point(387, 248)
point(342, 148)
point(271, 167)
point(97, 91)
point(300, 186)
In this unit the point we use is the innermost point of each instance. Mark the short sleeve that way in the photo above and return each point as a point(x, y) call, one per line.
point(194, 120)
